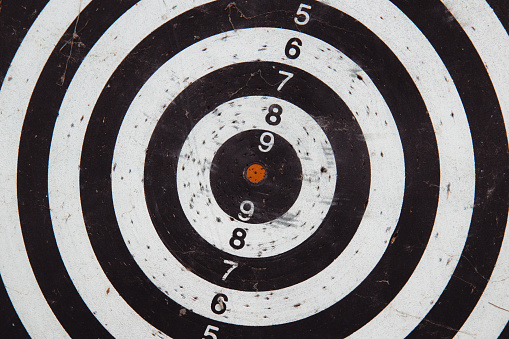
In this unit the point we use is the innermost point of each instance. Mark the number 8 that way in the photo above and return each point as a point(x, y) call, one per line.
point(237, 240)
point(275, 112)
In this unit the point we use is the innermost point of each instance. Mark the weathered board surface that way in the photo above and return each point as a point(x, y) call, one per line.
point(254, 169)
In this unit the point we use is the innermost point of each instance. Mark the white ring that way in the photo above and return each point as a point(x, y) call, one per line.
point(17, 275)
point(491, 41)
point(373, 234)
point(63, 173)
point(275, 236)
point(457, 168)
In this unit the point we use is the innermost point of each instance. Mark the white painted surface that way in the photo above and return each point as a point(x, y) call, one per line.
point(457, 170)
point(63, 177)
point(491, 41)
point(20, 80)
point(421, 61)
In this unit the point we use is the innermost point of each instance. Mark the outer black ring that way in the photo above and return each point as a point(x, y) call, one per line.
point(33, 205)
point(201, 97)
point(15, 20)
point(489, 139)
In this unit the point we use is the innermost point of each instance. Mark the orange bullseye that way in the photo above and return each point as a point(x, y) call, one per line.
point(255, 173)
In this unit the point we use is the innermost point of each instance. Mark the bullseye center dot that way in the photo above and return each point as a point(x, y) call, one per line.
point(255, 173)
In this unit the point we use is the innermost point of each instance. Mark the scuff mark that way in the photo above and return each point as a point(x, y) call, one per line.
point(503, 309)
point(71, 42)
point(251, 76)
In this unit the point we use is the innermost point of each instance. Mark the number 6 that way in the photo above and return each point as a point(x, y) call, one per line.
point(219, 300)
point(292, 50)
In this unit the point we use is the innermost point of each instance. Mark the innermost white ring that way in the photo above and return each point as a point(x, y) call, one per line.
point(306, 214)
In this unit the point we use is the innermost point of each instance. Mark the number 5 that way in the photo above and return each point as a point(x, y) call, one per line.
point(300, 11)
point(208, 332)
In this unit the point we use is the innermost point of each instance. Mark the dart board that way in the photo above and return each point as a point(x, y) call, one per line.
point(254, 169)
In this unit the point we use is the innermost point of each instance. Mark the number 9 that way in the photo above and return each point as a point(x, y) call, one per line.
point(267, 144)
point(249, 211)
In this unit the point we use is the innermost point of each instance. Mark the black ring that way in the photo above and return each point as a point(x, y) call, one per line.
point(181, 239)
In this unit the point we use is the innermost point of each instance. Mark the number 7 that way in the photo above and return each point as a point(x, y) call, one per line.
point(288, 77)
point(234, 266)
